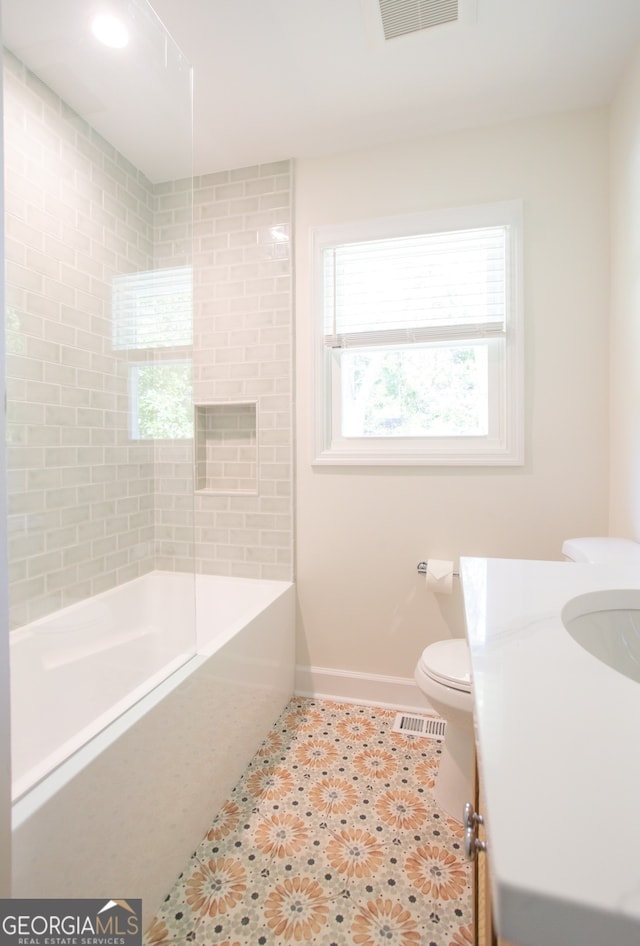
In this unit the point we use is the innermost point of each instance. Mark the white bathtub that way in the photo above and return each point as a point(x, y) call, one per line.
point(75, 671)
point(118, 787)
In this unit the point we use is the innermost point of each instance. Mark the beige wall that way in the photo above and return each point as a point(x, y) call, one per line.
point(361, 531)
point(625, 306)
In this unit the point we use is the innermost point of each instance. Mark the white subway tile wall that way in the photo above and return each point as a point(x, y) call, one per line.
point(81, 493)
point(226, 448)
point(89, 507)
point(173, 504)
point(243, 351)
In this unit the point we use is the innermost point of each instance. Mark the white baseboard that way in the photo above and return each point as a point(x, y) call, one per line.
point(400, 693)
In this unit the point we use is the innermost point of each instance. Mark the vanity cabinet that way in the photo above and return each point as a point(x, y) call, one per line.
point(484, 931)
point(533, 695)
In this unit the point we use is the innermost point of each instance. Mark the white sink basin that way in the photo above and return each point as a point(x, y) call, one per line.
point(607, 625)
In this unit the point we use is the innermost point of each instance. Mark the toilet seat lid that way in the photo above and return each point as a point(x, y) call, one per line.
point(449, 663)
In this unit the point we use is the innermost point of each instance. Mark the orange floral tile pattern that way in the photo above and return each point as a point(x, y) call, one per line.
point(384, 920)
point(426, 771)
point(216, 887)
point(352, 729)
point(316, 753)
point(330, 838)
point(270, 783)
point(281, 835)
point(401, 809)
point(433, 870)
point(379, 764)
point(271, 745)
point(225, 822)
point(333, 796)
point(296, 909)
point(355, 852)
point(157, 934)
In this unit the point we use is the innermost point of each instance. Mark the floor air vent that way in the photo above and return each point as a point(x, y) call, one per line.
point(431, 727)
point(400, 17)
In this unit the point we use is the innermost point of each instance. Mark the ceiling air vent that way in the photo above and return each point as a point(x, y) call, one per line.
point(400, 17)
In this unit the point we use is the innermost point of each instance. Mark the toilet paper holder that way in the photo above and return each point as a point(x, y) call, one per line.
point(423, 567)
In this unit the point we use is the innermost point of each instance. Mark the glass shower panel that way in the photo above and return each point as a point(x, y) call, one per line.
point(99, 330)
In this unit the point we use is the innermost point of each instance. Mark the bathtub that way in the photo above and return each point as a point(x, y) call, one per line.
point(144, 738)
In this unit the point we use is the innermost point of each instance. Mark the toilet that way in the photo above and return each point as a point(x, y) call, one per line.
point(601, 550)
point(443, 674)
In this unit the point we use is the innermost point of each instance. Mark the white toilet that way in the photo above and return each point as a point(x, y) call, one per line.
point(443, 673)
point(601, 550)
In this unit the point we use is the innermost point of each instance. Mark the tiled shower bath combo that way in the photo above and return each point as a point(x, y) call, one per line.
point(92, 505)
point(331, 837)
point(98, 503)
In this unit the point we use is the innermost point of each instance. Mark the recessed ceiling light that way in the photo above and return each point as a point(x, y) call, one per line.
point(110, 30)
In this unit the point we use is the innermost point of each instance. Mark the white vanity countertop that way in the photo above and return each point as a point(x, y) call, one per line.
point(558, 736)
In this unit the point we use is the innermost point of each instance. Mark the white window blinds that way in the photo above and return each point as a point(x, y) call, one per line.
point(153, 309)
point(412, 289)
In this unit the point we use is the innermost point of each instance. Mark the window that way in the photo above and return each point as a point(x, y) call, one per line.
point(161, 400)
point(153, 309)
point(419, 339)
point(152, 316)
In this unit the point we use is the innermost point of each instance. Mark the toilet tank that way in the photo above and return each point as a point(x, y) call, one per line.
point(601, 550)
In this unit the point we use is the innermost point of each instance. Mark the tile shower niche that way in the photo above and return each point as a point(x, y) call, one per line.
point(226, 447)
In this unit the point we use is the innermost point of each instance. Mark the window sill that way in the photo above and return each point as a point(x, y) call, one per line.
point(415, 456)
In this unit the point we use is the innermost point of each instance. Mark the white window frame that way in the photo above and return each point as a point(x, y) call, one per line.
point(504, 444)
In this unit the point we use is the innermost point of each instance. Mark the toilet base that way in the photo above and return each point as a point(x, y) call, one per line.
point(454, 781)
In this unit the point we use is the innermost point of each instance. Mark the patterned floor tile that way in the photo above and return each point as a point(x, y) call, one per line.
point(331, 837)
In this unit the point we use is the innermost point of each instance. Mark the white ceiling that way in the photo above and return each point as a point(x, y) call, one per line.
point(297, 78)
